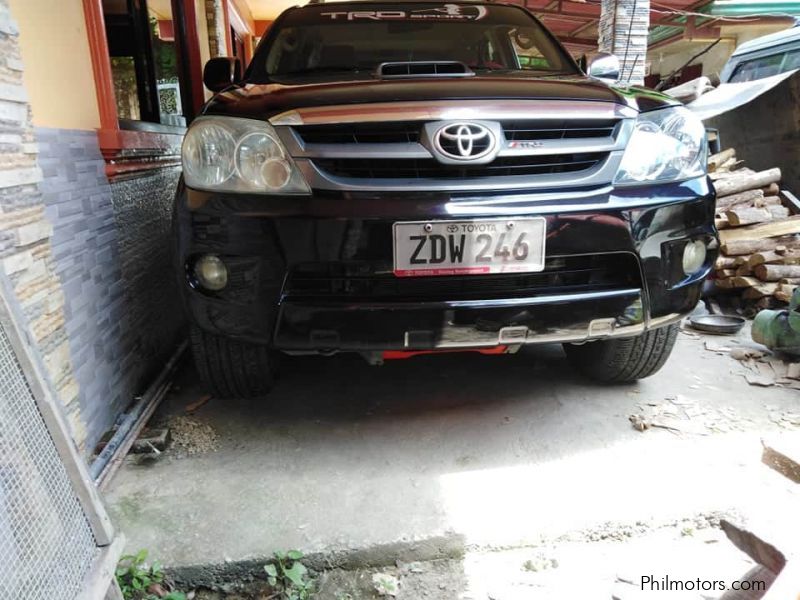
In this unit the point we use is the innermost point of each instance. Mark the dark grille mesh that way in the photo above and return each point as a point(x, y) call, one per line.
point(409, 131)
point(561, 275)
point(385, 168)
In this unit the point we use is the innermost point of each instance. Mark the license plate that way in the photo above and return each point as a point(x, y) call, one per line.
point(469, 247)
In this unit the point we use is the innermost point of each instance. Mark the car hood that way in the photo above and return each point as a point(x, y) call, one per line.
point(265, 100)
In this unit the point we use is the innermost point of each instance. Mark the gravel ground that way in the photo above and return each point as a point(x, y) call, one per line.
point(190, 436)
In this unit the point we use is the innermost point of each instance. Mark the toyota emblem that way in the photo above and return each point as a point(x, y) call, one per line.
point(464, 141)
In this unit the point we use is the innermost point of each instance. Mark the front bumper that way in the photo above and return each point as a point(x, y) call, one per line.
point(466, 324)
point(625, 246)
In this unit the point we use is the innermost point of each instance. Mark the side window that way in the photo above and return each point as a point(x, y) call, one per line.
point(144, 65)
point(758, 68)
point(792, 61)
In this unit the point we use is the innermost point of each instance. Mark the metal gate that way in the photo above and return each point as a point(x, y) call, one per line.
point(55, 538)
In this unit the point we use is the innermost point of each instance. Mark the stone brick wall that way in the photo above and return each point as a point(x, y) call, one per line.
point(216, 28)
point(26, 253)
point(111, 252)
point(143, 213)
point(87, 261)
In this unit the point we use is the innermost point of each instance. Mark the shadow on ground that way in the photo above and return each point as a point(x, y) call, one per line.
point(427, 458)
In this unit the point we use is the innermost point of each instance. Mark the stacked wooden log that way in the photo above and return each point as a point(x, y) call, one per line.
point(758, 226)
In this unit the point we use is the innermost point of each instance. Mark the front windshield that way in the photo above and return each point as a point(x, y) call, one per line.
point(356, 39)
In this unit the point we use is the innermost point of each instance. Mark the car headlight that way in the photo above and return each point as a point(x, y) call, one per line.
point(238, 155)
point(666, 145)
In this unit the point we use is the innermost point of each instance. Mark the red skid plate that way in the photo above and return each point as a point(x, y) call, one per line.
point(402, 354)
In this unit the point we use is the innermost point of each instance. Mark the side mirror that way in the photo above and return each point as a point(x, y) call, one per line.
point(605, 66)
point(221, 72)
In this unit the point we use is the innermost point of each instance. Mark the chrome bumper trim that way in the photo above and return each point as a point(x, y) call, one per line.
point(598, 329)
point(297, 148)
point(454, 109)
point(505, 302)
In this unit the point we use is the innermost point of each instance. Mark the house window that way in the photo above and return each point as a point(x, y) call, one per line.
point(144, 61)
point(237, 45)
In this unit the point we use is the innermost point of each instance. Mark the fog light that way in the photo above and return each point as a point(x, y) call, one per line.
point(211, 272)
point(694, 256)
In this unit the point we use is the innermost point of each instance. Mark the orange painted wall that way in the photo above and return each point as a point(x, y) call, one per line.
point(58, 67)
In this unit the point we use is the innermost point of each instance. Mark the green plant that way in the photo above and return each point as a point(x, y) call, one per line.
point(139, 581)
point(289, 577)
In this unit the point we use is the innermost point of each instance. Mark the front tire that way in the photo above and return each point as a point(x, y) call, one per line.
point(624, 360)
point(230, 368)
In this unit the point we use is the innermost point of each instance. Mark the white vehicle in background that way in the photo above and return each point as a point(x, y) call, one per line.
point(764, 57)
point(755, 68)
point(759, 86)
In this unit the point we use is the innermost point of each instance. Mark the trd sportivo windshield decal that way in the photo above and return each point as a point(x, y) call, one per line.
point(444, 12)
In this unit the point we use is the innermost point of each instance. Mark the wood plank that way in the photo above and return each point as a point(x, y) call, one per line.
point(748, 181)
point(744, 282)
point(729, 165)
point(724, 262)
point(773, 257)
point(726, 174)
point(776, 272)
point(747, 216)
point(785, 291)
point(761, 230)
point(782, 456)
point(740, 247)
point(724, 284)
point(768, 201)
point(777, 211)
point(746, 197)
point(715, 160)
point(754, 546)
point(100, 581)
point(760, 290)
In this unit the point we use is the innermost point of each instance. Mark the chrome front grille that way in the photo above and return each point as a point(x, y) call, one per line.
point(390, 147)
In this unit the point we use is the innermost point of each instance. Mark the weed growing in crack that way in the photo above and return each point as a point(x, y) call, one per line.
point(289, 577)
point(140, 581)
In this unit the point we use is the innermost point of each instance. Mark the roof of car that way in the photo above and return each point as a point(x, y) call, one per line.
point(767, 41)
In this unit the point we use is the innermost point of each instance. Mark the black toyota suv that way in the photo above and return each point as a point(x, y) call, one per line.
point(401, 178)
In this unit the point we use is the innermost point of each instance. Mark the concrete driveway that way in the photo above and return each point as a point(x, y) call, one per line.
point(427, 457)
